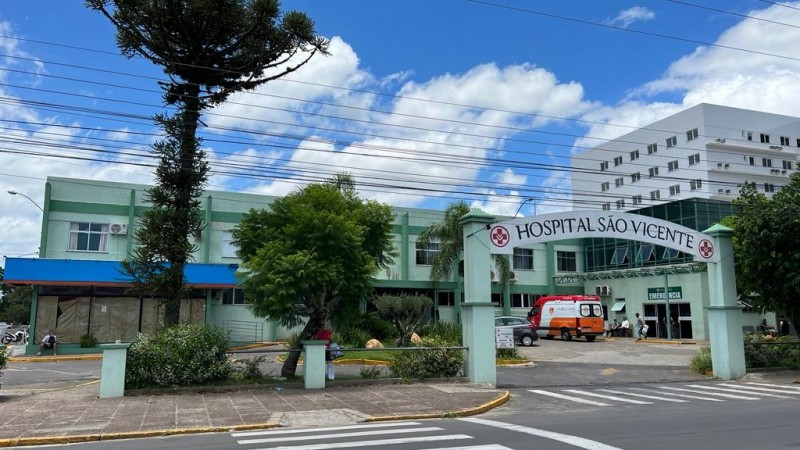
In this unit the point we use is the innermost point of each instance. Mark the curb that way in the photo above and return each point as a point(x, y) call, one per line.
point(52, 440)
point(461, 413)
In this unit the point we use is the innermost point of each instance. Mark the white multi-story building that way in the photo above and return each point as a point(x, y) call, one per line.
point(707, 152)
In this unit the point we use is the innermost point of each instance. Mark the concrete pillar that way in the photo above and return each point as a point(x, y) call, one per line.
point(314, 364)
point(112, 374)
point(724, 313)
point(477, 318)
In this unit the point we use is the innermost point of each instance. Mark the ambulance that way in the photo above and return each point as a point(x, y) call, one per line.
point(568, 316)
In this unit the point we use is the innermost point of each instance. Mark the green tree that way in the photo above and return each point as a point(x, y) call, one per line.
point(209, 49)
point(406, 312)
point(313, 255)
point(15, 302)
point(766, 243)
point(449, 234)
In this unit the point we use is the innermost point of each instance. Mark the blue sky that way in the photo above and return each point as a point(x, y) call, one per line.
point(424, 101)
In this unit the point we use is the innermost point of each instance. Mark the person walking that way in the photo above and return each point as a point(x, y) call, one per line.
point(325, 335)
point(640, 331)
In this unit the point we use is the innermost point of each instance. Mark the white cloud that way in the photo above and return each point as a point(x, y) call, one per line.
point(631, 15)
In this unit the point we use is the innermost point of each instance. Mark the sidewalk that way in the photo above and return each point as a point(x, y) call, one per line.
point(77, 414)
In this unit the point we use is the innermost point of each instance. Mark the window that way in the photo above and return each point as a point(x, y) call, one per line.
point(618, 160)
point(604, 166)
point(764, 138)
point(604, 186)
point(672, 141)
point(787, 165)
point(694, 159)
point(523, 301)
point(691, 135)
point(566, 262)
point(752, 160)
point(671, 253)
point(636, 177)
point(523, 258)
point(620, 256)
point(619, 182)
point(446, 298)
point(606, 206)
point(672, 165)
point(652, 148)
point(784, 141)
point(620, 204)
point(748, 134)
point(769, 187)
point(655, 195)
point(646, 253)
point(675, 189)
point(634, 155)
point(233, 297)
point(228, 249)
point(766, 162)
point(425, 256)
point(88, 237)
point(653, 172)
point(798, 142)
point(637, 199)
point(696, 184)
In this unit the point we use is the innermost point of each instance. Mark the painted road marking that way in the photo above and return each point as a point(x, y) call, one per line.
point(377, 442)
point(336, 435)
point(737, 391)
point(568, 397)
point(782, 386)
point(717, 394)
point(756, 388)
point(652, 397)
point(575, 441)
point(673, 394)
point(343, 427)
point(608, 397)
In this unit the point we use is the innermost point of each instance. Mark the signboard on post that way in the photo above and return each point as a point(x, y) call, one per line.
point(504, 337)
point(505, 236)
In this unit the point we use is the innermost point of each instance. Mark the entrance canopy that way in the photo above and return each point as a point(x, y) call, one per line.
point(505, 236)
point(618, 307)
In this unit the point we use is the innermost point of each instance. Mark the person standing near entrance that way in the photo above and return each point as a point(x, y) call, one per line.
point(676, 328)
point(640, 328)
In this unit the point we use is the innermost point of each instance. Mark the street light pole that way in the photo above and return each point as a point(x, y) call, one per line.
point(13, 192)
point(533, 199)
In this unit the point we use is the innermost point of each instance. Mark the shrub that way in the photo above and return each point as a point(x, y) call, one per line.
point(701, 361)
point(179, 355)
point(3, 361)
point(369, 372)
point(88, 340)
point(510, 353)
point(448, 332)
point(766, 351)
point(407, 312)
point(428, 363)
point(249, 369)
point(352, 337)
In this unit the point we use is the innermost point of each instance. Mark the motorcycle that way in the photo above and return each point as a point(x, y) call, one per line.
point(17, 337)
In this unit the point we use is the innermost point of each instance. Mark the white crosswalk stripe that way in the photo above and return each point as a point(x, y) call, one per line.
point(377, 434)
point(707, 392)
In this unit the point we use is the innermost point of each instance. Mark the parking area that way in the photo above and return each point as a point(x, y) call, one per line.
point(612, 351)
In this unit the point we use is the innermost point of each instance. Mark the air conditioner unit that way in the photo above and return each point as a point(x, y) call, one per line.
point(493, 275)
point(606, 291)
point(598, 289)
point(719, 164)
point(727, 191)
point(721, 191)
point(118, 228)
point(783, 172)
point(727, 165)
point(512, 275)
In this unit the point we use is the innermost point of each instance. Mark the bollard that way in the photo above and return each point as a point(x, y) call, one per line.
point(112, 374)
point(314, 364)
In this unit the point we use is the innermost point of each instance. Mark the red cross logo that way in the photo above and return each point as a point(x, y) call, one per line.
point(500, 236)
point(706, 249)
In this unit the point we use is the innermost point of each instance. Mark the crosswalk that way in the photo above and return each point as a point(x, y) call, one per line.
point(649, 395)
point(421, 436)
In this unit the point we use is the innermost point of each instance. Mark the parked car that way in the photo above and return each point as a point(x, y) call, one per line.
point(524, 329)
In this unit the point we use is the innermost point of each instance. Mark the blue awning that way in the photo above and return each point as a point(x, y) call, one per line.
point(71, 272)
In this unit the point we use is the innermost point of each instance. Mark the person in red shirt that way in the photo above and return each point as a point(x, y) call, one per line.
point(325, 335)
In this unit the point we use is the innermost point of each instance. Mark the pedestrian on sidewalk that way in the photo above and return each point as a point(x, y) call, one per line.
point(325, 335)
point(48, 342)
point(640, 331)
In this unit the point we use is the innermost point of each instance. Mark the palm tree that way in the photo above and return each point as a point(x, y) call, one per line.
point(450, 235)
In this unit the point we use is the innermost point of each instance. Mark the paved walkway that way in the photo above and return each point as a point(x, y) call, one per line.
point(35, 414)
